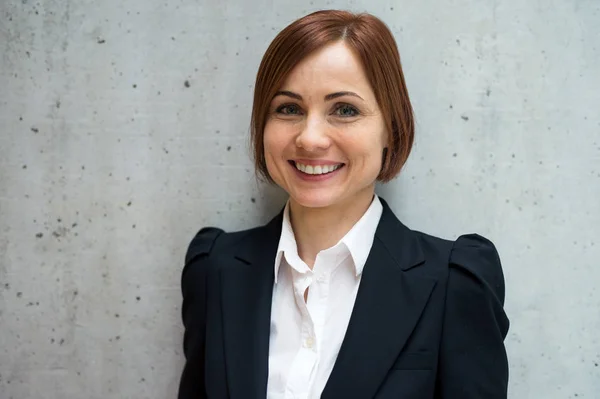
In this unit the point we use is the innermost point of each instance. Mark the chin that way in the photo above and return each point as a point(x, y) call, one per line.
point(315, 200)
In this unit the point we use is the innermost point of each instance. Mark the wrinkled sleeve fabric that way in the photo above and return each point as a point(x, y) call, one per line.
point(193, 287)
point(473, 361)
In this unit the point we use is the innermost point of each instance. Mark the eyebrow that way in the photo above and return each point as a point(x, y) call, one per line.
point(328, 97)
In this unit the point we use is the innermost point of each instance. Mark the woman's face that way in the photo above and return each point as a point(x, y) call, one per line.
point(325, 133)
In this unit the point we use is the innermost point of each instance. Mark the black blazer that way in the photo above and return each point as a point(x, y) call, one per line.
point(428, 321)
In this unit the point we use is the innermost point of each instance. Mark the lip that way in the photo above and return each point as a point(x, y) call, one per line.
point(314, 162)
point(316, 178)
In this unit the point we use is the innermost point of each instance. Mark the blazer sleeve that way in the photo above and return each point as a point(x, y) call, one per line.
point(473, 361)
point(193, 288)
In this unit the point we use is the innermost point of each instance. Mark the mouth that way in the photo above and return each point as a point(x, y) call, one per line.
point(316, 170)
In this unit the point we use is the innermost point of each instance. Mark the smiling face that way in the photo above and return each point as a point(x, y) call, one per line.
point(325, 133)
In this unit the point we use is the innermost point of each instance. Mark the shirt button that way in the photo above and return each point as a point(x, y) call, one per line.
point(309, 342)
point(322, 278)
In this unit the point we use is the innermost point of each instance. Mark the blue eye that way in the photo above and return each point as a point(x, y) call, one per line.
point(346, 110)
point(288, 109)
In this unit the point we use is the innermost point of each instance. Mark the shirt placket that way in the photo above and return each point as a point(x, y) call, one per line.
point(304, 364)
point(317, 304)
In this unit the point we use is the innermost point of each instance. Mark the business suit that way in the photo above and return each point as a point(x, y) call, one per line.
point(428, 321)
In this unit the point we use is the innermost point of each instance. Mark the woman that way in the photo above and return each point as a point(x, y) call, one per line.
point(335, 297)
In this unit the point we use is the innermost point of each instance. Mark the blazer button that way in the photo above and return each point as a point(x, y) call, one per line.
point(309, 342)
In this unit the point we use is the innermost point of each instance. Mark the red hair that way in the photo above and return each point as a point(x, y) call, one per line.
point(373, 43)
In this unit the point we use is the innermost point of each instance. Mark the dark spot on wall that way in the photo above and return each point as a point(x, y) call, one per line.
point(247, 38)
point(74, 225)
point(253, 200)
point(51, 340)
point(101, 41)
point(465, 118)
point(117, 315)
point(19, 294)
point(129, 203)
point(165, 150)
point(7, 286)
point(172, 37)
point(39, 235)
point(21, 118)
point(133, 226)
point(451, 106)
point(513, 155)
point(458, 42)
point(228, 148)
point(24, 166)
point(75, 293)
point(62, 341)
point(455, 155)
point(186, 83)
point(35, 129)
point(138, 298)
point(57, 104)
point(488, 92)
point(82, 167)
point(134, 86)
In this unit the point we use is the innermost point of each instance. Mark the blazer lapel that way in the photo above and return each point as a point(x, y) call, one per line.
point(389, 302)
point(246, 294)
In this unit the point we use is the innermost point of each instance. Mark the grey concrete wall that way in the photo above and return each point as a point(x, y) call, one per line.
point(123, 130)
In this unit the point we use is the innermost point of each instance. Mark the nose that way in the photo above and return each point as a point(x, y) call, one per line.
point(313, 136)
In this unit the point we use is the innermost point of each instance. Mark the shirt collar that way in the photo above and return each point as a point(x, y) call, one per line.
point(358, 240)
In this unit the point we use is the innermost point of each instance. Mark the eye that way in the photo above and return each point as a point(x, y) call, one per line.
point(346, 111)
point(288, 109)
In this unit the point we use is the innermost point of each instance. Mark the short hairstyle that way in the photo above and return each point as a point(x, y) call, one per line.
point(373, 43)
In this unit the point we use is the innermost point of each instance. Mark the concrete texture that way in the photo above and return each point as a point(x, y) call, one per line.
point(123, 130)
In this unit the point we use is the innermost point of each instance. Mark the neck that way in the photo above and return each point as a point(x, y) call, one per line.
point(316, 229)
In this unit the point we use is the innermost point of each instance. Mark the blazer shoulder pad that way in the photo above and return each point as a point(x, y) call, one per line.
point(202, 243)
point(477, 256)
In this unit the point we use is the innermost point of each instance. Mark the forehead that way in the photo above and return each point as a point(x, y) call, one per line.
point(334, 67)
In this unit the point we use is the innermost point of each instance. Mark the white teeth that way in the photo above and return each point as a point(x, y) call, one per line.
point(316, 170)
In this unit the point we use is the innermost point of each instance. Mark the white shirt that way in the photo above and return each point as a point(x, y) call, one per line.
point(306, 337)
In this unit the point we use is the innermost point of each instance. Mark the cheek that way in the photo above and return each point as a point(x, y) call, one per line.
point(273, 147)
point(277, 137)
point(369, 154)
